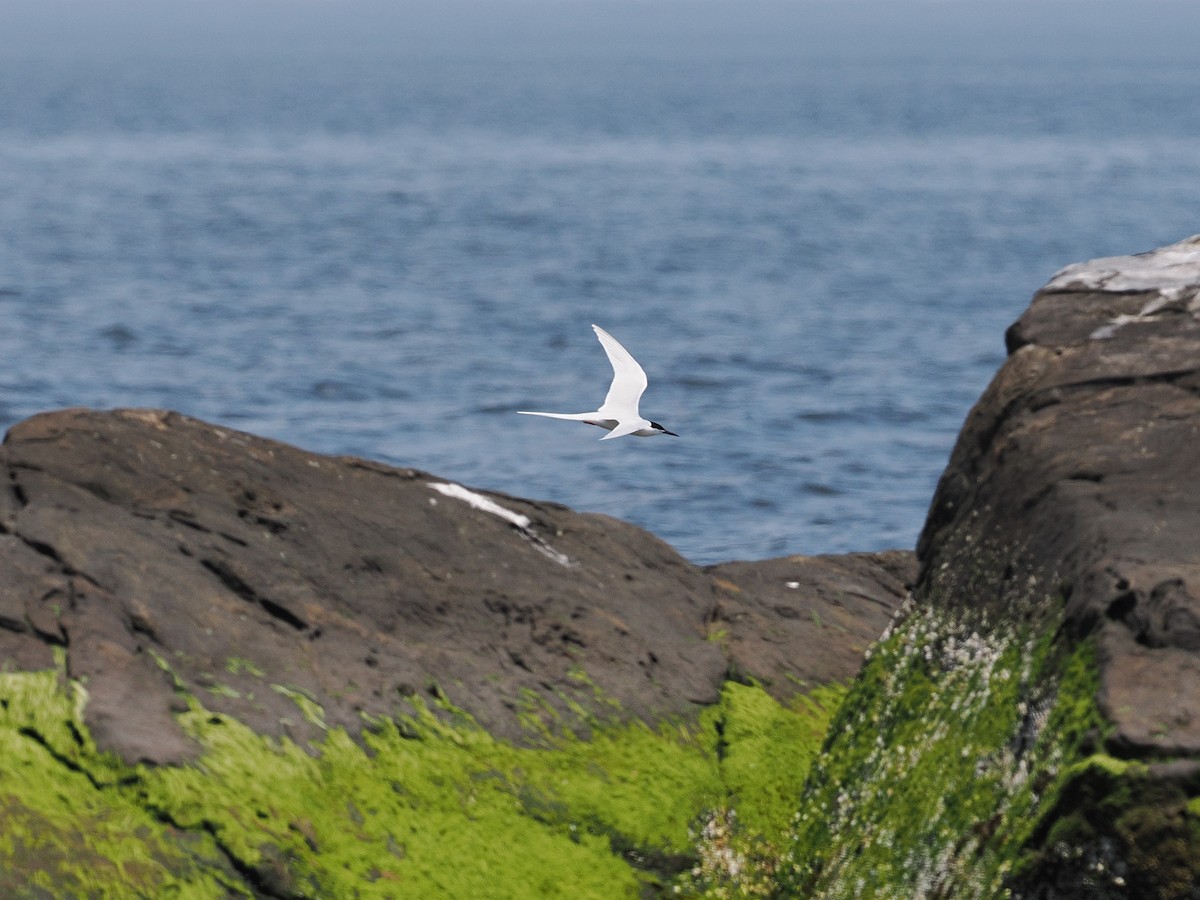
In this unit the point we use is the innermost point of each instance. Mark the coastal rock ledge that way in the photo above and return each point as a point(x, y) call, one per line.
point(233, 668)
point(164, 554)
point(229, 667)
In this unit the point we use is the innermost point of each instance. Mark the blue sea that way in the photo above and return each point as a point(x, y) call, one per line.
point(386, 248)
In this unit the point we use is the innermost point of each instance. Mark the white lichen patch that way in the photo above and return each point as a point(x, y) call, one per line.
point(723, 870)
point(523, 524)
point(719, 859)
point(1174, 268)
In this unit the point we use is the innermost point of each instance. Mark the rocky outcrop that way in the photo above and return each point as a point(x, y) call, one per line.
point(164, 555)
point(1031, 725)
point(1083, 458)
point(800, 621)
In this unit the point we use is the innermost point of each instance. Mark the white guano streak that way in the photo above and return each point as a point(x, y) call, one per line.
point(518, 521)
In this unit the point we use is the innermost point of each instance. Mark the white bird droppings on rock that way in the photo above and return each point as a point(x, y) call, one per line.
point(523, 524)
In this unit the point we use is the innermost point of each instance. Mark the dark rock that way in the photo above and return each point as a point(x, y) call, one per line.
point(1082, 459)
point(801, 621)
point(153, 547)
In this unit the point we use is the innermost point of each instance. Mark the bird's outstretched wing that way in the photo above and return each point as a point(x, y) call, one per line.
point(629, 381)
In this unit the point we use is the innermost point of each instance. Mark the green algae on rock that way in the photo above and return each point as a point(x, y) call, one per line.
point(416, 807)
point(937, 767)
point(72, 820)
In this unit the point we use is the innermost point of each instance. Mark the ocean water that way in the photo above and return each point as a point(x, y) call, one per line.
point(813, 257)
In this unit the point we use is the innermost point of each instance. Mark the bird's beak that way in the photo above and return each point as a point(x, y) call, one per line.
point(671, 433)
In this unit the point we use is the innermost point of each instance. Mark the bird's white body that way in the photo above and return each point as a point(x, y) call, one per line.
point(619, 414)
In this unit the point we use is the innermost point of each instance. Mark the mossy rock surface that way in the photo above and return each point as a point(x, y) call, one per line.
point(429, 805)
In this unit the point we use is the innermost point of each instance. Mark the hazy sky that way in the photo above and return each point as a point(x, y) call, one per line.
point(1167, 30)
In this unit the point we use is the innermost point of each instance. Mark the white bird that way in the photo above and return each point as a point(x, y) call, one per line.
point(619, 414)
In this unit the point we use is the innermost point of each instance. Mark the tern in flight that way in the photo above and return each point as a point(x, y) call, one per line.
point(619, 414)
